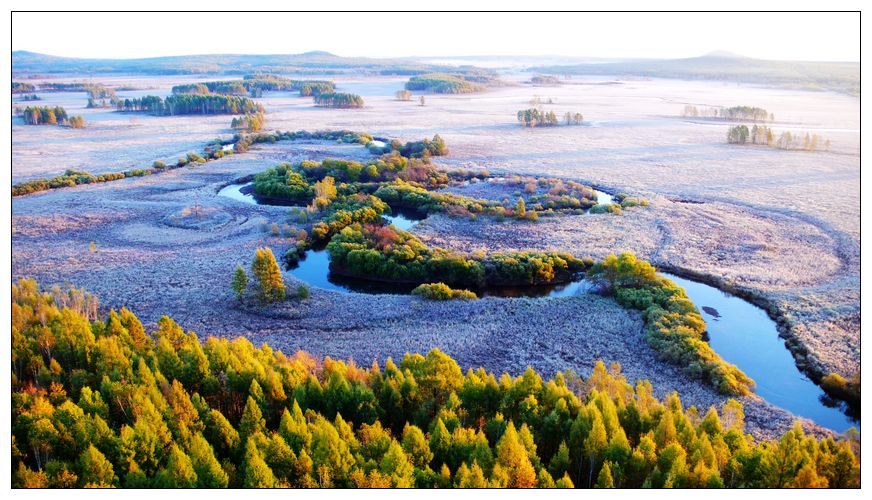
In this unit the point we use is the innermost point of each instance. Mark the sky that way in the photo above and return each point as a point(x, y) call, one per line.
point(783, 36)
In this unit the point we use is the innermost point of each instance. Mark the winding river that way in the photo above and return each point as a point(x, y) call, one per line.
point(742, 333)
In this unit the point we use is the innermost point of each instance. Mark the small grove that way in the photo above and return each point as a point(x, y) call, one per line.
point(97, 401)
point(47, 115)
point(765, 136)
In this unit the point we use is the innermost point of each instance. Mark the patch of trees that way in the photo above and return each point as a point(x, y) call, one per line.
point(190, 104)
point(255, 85)
point(267, 284)
point(545, 80)
point(673, 325)
point(262, 81)
point(839, 387)
point(346, 211)
point(22, 87)
point(443, 83)
point(100, 96)
point(99, 401)
point(534, 117)
point(441, 291)
point(251, 122)
point(43, 115)
point(338, 100)
point(31, 97)
point(763, 135)
point(424, 148)
point(735, 113)
point(383, 253)
point(76, 122)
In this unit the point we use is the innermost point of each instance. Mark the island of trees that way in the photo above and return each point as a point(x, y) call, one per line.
point(22, 87)
point(255, 85)
point(190, 104)
point(443, 83)
point(536, 117)
point(48, 115)
point(765, 136)
point(98, 401)
point(735, 113)
point(338, 100)
point(545, 80)
point(250, 122)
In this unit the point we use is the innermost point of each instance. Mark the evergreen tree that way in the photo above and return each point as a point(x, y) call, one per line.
point(266, 271)
point(240, 282)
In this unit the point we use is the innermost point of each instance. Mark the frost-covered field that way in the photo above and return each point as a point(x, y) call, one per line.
point(782, 225)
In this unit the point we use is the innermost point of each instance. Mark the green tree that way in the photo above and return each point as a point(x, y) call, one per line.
point(256, 472)
point(240, 282)
point(95, 470)
point(605, 480)
point(266, 271)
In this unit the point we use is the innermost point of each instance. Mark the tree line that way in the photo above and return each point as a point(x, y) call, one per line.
point(443, 83)
point(734, 113)
point(535, 117)
point(254, 85)
point(338, 100)
point(190, 104)
point(98, 401)
point(763, 135)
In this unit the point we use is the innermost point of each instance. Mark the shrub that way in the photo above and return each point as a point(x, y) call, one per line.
point(441, 291)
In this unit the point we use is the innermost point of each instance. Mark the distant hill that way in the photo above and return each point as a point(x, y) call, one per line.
point(724, 66)
point(309, 62)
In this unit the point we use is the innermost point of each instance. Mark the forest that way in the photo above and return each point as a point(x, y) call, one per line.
point(443, 83)
point(97, 401)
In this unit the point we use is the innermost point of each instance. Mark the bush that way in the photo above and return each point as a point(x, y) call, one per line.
point(441, 291)
point(610, 208)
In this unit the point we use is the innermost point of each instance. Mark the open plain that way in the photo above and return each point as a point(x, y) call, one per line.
point(779, 227)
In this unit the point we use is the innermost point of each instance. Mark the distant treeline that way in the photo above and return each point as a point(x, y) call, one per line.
point(735, 113)
point(190, 104)
point(443, 83)
point(763, 135)
point(533, 117)
point(22, 87)
point(255, 85)
point(213, 151)
point(545, 80)
point(339, 100)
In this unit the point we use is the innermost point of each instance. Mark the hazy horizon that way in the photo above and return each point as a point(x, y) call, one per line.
point(574, 35)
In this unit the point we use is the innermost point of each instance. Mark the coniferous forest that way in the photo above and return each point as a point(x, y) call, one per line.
point(100, 402)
